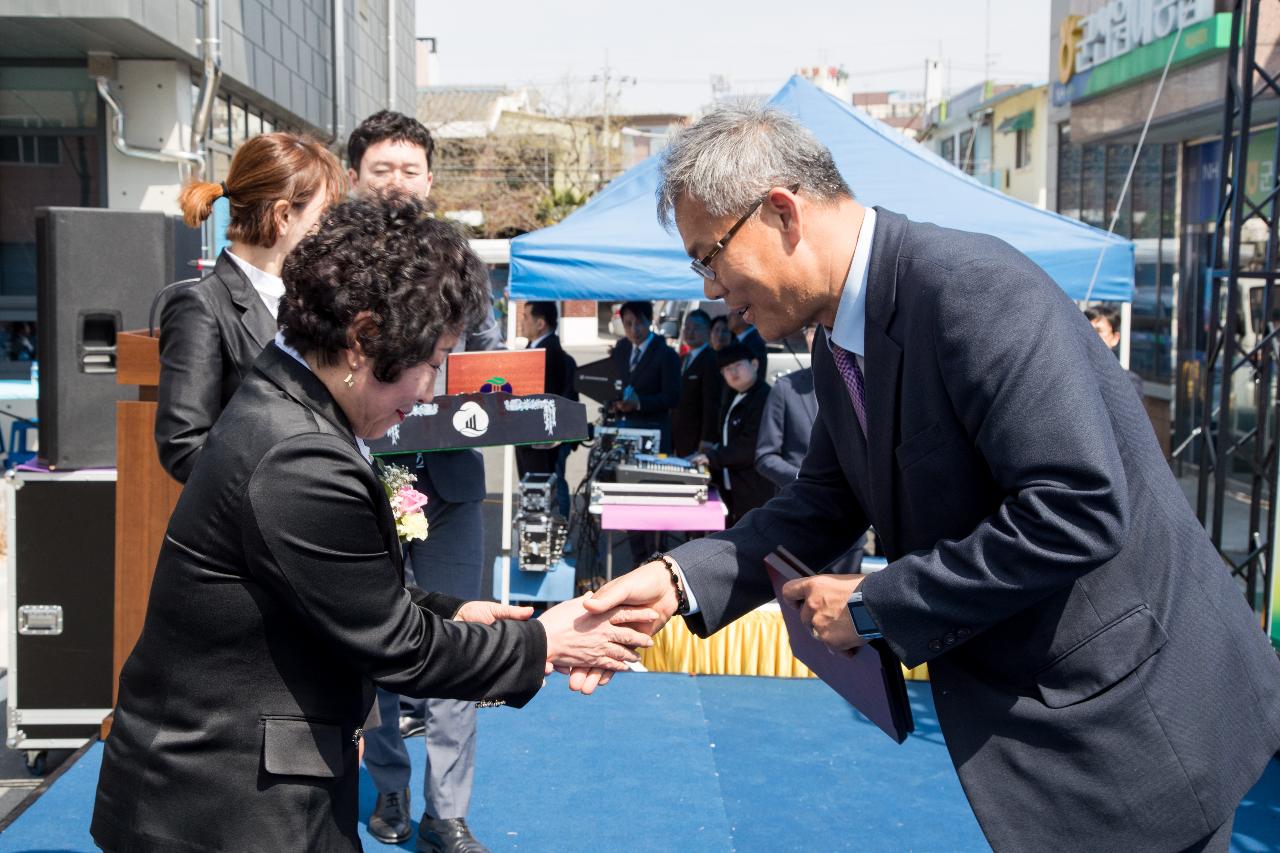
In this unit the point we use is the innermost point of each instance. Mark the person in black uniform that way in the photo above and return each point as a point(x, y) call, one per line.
point(541, 321)
point(733, 458)
point(650, 371)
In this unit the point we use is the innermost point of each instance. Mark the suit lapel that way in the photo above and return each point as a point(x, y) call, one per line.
point(883, 363)
point(303, 386)
point(254, 316)
point(833, 398)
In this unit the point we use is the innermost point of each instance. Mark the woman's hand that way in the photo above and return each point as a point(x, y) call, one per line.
point(488, 612)
point(576, 638)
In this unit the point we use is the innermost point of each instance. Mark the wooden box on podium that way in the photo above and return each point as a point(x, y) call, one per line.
point(145, 493)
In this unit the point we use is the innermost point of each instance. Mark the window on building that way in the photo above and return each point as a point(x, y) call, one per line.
point(966, 151)
point(1093, 190)
point(1119, 157)
point(1068, 173)
point(1022, 155)
point(30, 150)
point(949, 149)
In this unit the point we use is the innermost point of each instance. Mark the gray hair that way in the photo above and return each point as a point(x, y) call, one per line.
point(736, 153)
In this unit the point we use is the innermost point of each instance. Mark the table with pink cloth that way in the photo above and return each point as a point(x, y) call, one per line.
point(697, 518)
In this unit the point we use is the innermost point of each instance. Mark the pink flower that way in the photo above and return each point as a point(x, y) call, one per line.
point(408, 499)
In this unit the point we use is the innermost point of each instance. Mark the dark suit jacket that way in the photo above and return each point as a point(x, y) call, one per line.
point(748, 487)
point(696, 417)
point(1100, 680)
point(785, 427)
point(754, 342)
point(656, 381)
point(210, 334)
point(277, 603)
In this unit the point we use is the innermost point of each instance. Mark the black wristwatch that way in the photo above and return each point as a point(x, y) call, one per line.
point(863, 622)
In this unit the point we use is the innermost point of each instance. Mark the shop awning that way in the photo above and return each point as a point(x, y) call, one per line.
point(1022, 121)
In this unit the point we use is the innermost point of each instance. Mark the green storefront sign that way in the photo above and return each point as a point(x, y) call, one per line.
point(1198, 42)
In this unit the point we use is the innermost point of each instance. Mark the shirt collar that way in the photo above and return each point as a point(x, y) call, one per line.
point(645, 345)
point(269, 287)
point(849, 330)
point(539, 340)
point(748, 330)
point(297, 356)
point(694, 353)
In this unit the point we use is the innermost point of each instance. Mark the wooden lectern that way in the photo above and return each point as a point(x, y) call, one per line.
point(145, 493)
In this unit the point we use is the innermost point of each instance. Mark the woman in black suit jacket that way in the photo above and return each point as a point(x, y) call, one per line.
point(732, 458)
point(279, 186)
point(278, 601)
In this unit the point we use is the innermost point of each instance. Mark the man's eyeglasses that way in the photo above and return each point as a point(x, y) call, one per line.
point(703, 267)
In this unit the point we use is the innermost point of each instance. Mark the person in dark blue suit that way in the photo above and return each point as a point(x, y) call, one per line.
point(541, 321)
point(1099, 678)
point(650, 372)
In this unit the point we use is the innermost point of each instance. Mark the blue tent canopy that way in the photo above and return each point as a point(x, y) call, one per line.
point(613, 247)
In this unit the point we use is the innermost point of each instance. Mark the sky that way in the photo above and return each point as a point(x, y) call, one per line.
point(671, 49)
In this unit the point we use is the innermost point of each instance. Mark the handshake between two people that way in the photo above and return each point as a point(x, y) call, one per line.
point(601, 641)
point(593, 636)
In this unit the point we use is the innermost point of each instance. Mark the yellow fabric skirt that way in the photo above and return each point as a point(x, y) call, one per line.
point(756, 644)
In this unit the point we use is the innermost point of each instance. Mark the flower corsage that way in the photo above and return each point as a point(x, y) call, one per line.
point(406, 501)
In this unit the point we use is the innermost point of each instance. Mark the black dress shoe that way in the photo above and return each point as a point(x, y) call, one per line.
point(390, 822)
point(447, 835)
point(411, 726)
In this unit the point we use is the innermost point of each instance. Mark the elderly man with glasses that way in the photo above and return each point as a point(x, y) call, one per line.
point(1099, 679)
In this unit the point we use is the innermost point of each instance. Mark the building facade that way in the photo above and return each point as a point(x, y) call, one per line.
point(279, 62)
point(1106, 60)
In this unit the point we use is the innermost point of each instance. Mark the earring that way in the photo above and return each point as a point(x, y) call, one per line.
point(350, 380)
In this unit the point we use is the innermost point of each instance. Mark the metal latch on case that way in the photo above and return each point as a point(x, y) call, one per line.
point(40, 619)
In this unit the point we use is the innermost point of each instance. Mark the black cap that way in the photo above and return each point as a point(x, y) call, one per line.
point(733, 352)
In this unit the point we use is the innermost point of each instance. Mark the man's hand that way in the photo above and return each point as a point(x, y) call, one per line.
point(824, 607)
point(648, 586)
point(604, 640)
point(488, 612)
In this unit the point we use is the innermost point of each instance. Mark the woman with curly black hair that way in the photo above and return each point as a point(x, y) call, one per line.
point(278, 600)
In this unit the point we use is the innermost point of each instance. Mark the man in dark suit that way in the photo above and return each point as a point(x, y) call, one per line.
point(650, 372)
point(695, 420)
point(391, 152)
point(1099, 679)
point(541, 321)
point(785, 428)
point(749, 336)
point(732, 457)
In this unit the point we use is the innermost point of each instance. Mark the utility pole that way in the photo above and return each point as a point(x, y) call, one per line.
point(605, 78)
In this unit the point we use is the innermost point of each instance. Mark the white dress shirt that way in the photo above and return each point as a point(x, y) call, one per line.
point(269, 287)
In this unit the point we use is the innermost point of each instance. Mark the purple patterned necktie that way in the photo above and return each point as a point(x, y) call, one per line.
point(847, 364)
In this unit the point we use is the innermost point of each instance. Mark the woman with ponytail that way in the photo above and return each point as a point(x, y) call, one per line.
point(279, 186)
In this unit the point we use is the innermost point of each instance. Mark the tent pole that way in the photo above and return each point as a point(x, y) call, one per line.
point(508, 460)
point(1126, 330)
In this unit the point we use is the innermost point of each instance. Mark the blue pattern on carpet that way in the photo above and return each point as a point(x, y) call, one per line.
point(670, 762)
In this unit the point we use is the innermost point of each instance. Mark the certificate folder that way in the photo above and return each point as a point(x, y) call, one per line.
point(870, 679)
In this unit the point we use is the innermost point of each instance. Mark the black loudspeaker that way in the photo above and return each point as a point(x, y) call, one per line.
point(96, 272)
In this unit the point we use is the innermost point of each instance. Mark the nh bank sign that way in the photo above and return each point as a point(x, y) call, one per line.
point(1126, 40)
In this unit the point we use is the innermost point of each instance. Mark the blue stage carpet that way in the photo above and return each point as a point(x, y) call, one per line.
point(668, 762)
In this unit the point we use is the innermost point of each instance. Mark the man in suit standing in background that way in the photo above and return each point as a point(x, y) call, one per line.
point(1099, 679)
point(749, 336)
point(650, 372)
point(391, 152)
point(541, 322)
point(696, 418)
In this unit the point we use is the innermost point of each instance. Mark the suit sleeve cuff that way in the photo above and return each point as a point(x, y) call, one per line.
point(688, 590)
